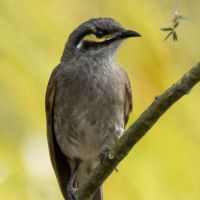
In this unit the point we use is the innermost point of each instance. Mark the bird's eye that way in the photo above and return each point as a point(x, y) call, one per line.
point(99, 34)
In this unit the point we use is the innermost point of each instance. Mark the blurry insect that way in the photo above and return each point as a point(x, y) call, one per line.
point(175, 24)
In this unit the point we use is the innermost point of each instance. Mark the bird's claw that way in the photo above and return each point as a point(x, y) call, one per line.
point(71, 191)
point(106, 153)
point(72, 196)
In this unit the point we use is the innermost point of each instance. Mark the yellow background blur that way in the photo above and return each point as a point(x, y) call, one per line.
point(164, 165)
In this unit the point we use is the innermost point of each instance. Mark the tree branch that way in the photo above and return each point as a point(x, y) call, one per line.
point(137, 130)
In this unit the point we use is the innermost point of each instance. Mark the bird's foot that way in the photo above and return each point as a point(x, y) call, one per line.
point(106, 153)
point(72, 195)
point(71, 192)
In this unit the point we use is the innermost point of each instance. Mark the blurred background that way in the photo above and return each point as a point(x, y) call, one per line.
point(165, 163)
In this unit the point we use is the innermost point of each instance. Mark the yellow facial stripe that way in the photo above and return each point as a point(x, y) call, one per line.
point(93, 38)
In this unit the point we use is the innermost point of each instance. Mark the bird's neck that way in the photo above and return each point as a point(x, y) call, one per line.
point(90, 56)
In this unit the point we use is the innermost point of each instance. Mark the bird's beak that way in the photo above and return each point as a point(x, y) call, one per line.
point(126, 34)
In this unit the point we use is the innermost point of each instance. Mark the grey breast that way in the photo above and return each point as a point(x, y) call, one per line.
point(89, 107)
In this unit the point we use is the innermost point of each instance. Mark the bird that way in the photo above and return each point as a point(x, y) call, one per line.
point(88, 102)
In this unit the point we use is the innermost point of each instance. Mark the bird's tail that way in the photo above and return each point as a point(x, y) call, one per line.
point(62, 171)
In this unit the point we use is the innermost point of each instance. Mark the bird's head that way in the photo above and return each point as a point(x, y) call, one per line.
point(98, 36)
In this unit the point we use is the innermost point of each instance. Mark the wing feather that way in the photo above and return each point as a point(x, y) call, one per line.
point(58, 159)
point(127, 100)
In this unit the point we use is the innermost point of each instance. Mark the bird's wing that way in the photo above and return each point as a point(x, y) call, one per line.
point(58, 159)
point(127, 99)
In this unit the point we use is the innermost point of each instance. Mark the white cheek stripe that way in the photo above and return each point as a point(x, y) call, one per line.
point(79, 45)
